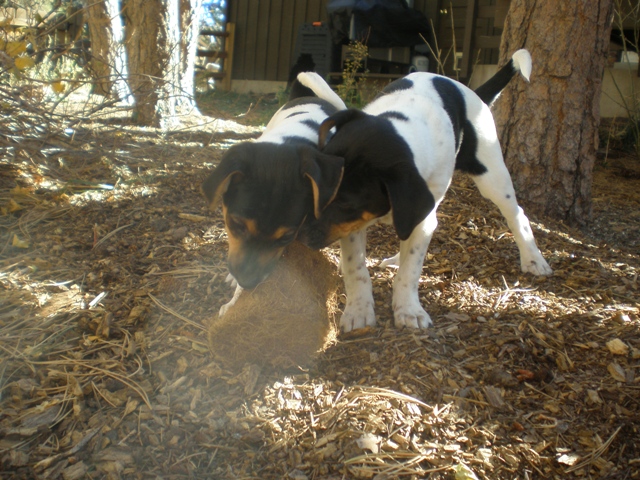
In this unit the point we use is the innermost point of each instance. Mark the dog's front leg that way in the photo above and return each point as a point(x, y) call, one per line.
point(407, 310)
point(236, 295)
point(358, 312)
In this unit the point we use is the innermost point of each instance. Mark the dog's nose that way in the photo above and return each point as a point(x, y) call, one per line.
point(250, 274)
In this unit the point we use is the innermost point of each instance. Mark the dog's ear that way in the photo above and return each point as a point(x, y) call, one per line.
point(410, 198)
point(217, 183)
point(337, 120)
point(325, 173)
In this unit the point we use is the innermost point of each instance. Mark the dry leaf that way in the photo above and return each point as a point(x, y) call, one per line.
point(617, 347)
point(464, 473)
point(593, 397)
point(368, 441)
point(617, 372)
point(18, 243)
point(568, 459)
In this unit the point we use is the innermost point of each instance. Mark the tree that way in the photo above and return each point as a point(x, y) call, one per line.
point(549, 128)
point(161, 41)
point(102, 42)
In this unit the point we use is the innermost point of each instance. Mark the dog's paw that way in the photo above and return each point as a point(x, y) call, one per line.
point(231, 280)
point(412, 317)
point(224, 308)
point(391, 262)
point(536, 266)
point(357, 315)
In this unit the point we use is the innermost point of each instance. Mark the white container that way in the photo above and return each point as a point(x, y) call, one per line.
point(420, 63)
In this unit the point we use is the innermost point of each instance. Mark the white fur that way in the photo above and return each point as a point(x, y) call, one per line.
point(429, 134)
point(316, 83)
point(522, 62)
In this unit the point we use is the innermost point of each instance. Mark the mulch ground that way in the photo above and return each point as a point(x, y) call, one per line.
point(112, 268)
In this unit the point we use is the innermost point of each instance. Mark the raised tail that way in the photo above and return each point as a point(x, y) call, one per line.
point(520, 62)
point(312, 84)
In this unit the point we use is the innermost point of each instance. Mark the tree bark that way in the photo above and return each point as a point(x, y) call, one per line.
point(549, 128)
point(161, 44)
point(102, 51)
point(190, 18)
point(147, 59)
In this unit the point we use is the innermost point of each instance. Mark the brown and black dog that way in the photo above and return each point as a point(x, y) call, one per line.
point(270, 186)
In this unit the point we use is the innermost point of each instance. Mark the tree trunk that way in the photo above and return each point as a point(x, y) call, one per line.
point(147, 59)
point(161, 46)
point(190, 18)
point(549, 128)
point(102, 51)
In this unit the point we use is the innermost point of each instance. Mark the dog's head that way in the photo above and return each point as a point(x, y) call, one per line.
point(380, 175)
point(267, 192)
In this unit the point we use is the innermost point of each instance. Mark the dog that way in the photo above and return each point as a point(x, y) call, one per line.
point(399, 154)
point(268, 187)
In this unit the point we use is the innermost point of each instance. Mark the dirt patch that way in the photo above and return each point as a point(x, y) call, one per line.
point(111, 268)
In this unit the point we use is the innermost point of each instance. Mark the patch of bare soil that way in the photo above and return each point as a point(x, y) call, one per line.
point(112, 268)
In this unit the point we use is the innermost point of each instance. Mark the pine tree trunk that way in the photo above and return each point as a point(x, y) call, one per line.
point(549, 128)
point(102, 51)
point(147, 59)
point(190, 17)
point(161, 47)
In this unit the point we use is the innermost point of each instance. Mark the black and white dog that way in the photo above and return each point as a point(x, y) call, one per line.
point(400, 153)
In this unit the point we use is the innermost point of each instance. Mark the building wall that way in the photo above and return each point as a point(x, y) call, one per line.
point(265, 36)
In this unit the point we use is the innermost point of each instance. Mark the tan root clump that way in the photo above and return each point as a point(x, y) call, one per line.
point(285, 320)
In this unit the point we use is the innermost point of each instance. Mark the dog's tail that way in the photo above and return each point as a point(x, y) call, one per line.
point(312, 84)
point(520, 62)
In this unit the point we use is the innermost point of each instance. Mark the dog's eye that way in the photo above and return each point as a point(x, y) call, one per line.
point(238, 227)
point(286, 239)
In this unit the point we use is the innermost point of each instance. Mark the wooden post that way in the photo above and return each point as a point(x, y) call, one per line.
point(228, 61)
point(469, 37)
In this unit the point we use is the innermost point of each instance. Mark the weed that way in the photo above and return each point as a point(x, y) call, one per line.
point(353, 75)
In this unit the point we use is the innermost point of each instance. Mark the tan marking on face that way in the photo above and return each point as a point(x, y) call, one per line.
point(341, 230)
point(250, 225)
point(281, 232)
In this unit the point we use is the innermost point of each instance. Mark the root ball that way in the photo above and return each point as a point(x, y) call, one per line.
point(286, 320)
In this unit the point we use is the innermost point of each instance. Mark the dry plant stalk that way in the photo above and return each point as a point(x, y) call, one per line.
point(284, 321)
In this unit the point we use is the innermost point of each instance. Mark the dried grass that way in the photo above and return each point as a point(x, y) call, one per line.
point(106, 370)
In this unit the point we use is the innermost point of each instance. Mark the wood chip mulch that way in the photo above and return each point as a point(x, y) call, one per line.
point(112, 268)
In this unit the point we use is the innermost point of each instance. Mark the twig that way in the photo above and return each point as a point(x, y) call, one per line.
point(176, 314)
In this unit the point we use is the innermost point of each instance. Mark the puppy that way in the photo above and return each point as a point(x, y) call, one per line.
point(270, 186)
point(400, 153)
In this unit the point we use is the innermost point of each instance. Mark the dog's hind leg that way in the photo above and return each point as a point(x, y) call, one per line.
point(496, 185)
point(407, 310)
point(359, 311)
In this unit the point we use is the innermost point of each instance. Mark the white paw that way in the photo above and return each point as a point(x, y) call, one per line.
point(536, 266)
point(231, 281)
point(411, 316)
point(391, 262)
point(224, 308)
point(357, 315)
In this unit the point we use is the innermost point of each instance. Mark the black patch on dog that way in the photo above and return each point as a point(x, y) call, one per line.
point(394, 115)
point(396, 86)
point(312, 124)
point(379, 175)
point(295, 140)
point(466, 138)
point(327, 108)
point(490, 90)
point(296, 113)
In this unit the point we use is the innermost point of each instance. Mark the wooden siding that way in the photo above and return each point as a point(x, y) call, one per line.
point(266, 33)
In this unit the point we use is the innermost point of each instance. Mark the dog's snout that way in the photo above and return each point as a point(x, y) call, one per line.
point(253, 268)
